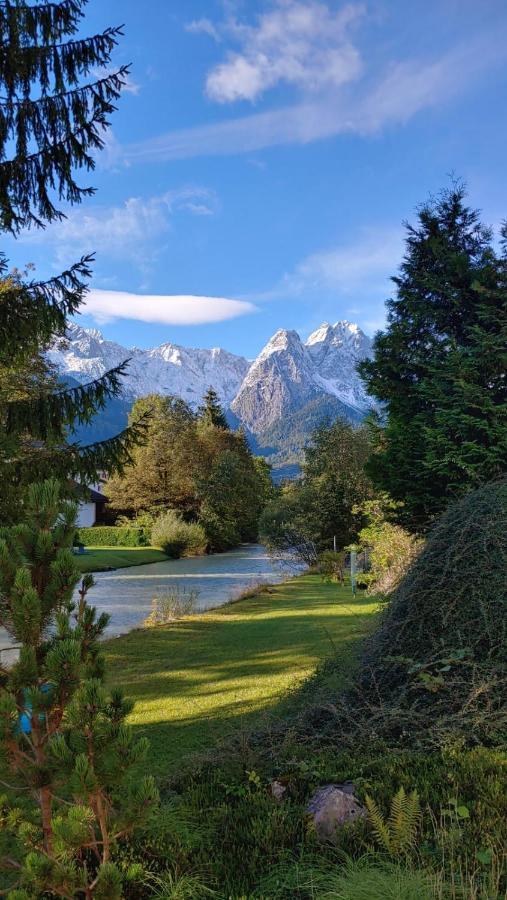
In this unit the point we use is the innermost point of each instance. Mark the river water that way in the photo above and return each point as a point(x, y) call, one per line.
point(127, 594)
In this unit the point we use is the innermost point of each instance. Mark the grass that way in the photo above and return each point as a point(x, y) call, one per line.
point(102, 559)
point(205, 676)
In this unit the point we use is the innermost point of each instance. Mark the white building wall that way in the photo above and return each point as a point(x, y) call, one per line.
point(87, 515)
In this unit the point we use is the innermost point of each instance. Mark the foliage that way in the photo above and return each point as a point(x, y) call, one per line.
point(70, 761)
point(365, 878)
point(194, 464)
point(177, 537)
point(161, 474)
point(436, 667)
point(180, 887)
point(439, 368)
point(174, 604)
point(309, 514)
point(391, 549)
point(397, 834)
point(113, 536)
point(332, 565)
point(53, 122)
point(210, 412)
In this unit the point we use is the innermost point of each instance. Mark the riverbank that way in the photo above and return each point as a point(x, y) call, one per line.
point(213, 674)
point(105, 559)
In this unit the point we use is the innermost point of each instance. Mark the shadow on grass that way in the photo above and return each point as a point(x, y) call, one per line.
point(200, 679)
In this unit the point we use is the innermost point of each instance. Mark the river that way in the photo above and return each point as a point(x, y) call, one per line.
point(127, 594)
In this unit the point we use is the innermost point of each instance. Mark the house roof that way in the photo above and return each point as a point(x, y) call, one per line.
point(96, 496)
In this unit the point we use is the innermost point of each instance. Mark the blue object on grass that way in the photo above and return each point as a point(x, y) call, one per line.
point(25, 719)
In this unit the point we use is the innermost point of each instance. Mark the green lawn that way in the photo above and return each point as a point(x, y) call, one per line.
point(101, 559)
point(197, 680)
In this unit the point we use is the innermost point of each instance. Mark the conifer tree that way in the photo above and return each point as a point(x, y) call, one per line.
point(211, 412)
point(68, 760)
point(52, 121)
point(439, 368)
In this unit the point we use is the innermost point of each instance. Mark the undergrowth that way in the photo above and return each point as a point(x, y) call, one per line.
point(420, 732)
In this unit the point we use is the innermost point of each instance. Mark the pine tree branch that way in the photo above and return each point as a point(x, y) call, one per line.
point(25, 183)
point(48, 120)
point(45, 416)
point(37, 312)
point(49, 20)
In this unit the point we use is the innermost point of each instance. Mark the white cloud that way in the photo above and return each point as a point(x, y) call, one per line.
point(107, 306)
point(390, 98)
point(299, 43)
point(350, 280)
point(203, 26)
point(353, 269)
point(129, 230)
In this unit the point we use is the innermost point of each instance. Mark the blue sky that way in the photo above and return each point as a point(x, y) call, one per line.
point(265, 155)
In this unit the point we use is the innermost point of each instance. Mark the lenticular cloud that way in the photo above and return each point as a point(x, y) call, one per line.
point(106, 306)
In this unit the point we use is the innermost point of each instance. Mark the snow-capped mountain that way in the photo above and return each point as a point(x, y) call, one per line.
point(287, 375)
point(168, 369)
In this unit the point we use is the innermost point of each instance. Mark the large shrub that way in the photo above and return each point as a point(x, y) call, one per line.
point(177, 537)
point(391, 549)
point(437, 666)
point(113, 536)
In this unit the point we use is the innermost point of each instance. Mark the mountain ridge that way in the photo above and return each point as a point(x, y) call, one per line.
point(290, 380)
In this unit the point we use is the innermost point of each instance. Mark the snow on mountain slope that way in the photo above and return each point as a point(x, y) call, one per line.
point(287, 374)
point(168, 369)
point(335, 351)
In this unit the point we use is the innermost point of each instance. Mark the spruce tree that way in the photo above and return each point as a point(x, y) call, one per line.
point(69, 764)
point(439, 368)
point(52, 121)
point(211, 412)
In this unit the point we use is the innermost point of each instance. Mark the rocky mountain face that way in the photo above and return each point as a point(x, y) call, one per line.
point(279, 398)
point(288, 374)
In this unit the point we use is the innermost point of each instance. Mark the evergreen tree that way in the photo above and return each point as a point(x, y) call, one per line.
point(211, 412)
point(67, 757)
point(439, 368)
point(52, 121)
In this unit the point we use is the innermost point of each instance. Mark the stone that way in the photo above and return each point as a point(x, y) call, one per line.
point(278, 789)
point(333, 806)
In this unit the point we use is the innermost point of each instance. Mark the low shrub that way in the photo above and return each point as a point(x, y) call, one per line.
point(174, 604)
point(434, 673)
point(113, 536)
point(178, 538)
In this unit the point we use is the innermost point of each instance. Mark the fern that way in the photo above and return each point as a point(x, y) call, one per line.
point(397, 834)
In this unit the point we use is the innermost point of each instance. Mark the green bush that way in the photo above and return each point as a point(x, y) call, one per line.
point(435, 671)
point(113, 536)
point(178, 538)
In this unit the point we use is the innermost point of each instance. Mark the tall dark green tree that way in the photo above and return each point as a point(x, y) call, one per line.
point(439, 368)
point(211, 411)
point(53, 119)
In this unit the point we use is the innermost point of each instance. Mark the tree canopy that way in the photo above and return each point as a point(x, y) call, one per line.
point(193, 463)
point(439, 368)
